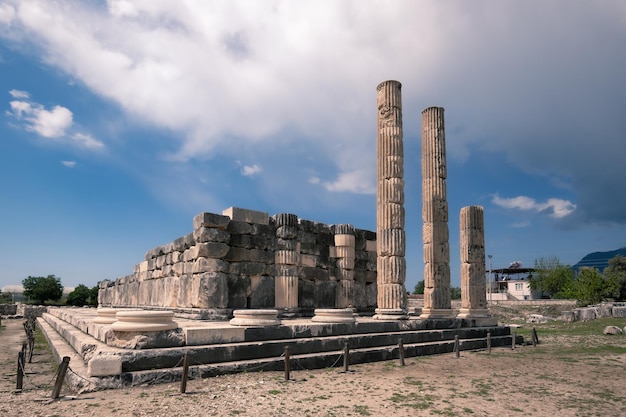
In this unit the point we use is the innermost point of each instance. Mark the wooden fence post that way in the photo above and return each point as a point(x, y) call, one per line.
point(401, 351)
point(183, 379)
point(58, 384)
point(287, 362)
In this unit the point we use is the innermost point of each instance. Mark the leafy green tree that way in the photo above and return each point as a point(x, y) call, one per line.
point(40, 289)
point(6, 298)
point(82, 296)
point(590, 287)
point(419, 287)
point(93, 295)
point(615, 277)
point(455, 293)
point(79, 297)
point(552, 278)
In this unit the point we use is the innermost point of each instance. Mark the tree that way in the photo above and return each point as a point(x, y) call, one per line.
point(93, 295)
point(78, 297)
point(615, 277)
point(590, 287)
point(419, 287)
point(552, 278)
point(455, 293)
point(40, 289)
point(6, 298)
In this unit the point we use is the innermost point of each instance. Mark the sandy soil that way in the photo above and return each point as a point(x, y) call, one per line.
point(564, 376)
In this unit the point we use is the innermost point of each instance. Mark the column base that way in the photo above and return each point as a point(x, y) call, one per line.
point(478, 317)
point(437, 313)
point(390, 314)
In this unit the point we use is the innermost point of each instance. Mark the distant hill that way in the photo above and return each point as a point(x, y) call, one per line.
point(599, 260)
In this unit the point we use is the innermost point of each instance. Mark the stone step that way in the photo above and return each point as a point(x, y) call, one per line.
point(104, 366)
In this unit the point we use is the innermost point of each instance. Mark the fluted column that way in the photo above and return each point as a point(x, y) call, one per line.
point(473, 288)
point(286, 259)
point(390, 240)
point(437, 301)
point(346, 253)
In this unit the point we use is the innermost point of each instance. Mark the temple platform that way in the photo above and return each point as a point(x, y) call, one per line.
point(99, 361)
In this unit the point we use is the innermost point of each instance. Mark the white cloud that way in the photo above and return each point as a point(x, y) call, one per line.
point(357, 181)
point(228, 75)
point(7, 13)
point(19, 94)
point(69, 164)
point(555, 207)
point(54, 123)
point(250, 170)
point(87, 141)
point(314, 180)
point(47, 123)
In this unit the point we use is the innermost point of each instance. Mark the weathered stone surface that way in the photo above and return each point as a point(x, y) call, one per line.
point(612, 330)
point(238, 290)
point(206, 250)
point(236, 227)
point(262, 292)
point(391, 269)
point(211, 220)
point(247, 268)
point(245, 215)
point(206, 234)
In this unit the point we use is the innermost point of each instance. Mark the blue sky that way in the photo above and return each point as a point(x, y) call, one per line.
point(123, 119)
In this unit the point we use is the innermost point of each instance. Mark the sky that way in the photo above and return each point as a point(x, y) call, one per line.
point(121, 120)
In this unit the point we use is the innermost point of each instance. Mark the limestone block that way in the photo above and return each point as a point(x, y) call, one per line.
point(201, 265)
point(206, 250)
point(343, 229)
point(143, 321)
point(435, 232)
point(391, 296)
point(314, 274)
point(308, 260)
point(370, 245)
point(435, 210)
point(391, 269)
point(287, 232)
point(247, 268)
point(236, 227)
point(389, 143)
point(346, 252)
point(391, 190)
point(245, 215)
point(475, 273)
point(238, 291)
point(210, 220)
point(262, 229)
point(104, 365)
point(437, 252)
point(262, 292)
point(472, 253)
point(285, 219)
point(206, 234)
point(249, 255)
point(178, 269)
point(345, 240)
point(390, 216)
point(367, 277)
point(346, 264)
point(437, 297)
point(286, 257)
point(105, 316)
point(371, 294)
point(436, 187)
point(391, 166)
point(287, 244)
point(391, 242)
point(286, 291)
point(436, 274)
point(207, 290)
point(345, 294)
point(286, 270)
point(344, 274)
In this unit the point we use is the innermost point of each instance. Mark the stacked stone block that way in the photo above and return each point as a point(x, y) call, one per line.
point(437, 301)
point(245, 259)
point(391, 263)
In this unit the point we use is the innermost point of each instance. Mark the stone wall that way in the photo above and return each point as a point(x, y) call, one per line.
point(230, 261)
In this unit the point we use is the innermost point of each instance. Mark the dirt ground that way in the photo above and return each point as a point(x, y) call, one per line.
point(564, 376)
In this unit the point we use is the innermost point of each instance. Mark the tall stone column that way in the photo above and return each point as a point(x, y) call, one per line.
point(473, 288)
point(346, 253)
point(390, 246)
point(437, 303)
point(286, 262)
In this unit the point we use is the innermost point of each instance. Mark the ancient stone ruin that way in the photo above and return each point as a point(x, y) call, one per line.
point(244, 259)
